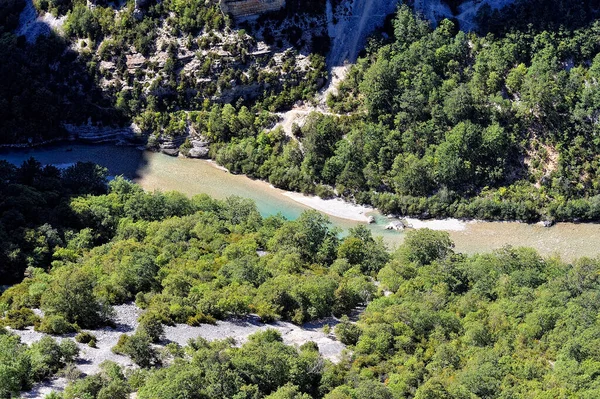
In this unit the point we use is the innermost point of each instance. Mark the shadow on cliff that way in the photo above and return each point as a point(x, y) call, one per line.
point(50, 94)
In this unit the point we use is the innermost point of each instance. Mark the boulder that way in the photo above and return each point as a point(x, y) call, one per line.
point(170, 151)
point(201, 152)
point(199, 148)
point(546, 223)
point(397, 225)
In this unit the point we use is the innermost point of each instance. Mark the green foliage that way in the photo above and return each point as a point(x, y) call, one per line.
point(33, 202)
point(85, 337)
point(482, 325)
point(139, 348)
point(81, 22)
point(48, 357)
point(71, 296)
point(347, 332)
point(109, 383)
point(288, 391)
point(263, 366)
point(15, 366)
point(20, 318)
point(425, 246)
point(151, 325)
point(55, 325)
point(455, 114)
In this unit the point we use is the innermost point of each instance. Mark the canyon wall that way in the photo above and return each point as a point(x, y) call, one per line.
point(243, 8)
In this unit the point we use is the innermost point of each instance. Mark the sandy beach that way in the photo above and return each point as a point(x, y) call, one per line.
point(438, 224)
point(333, 207)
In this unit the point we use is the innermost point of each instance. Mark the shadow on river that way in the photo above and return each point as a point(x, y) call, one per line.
point(155, 171)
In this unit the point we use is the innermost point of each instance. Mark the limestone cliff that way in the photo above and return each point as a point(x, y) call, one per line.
point(243, 8)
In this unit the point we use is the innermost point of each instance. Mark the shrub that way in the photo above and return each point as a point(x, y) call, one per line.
point(55, 325)
point(85, 337)
point(347, 332)
point(139, 348)
point(47, 356)
point(117, 389)
point(142, 300)
point(71, 296)
point(120, 346)
point(15, 366)
point(69, 350)
point(200, 318)
point(151, 325)
point(21, 318)
point(71, 372)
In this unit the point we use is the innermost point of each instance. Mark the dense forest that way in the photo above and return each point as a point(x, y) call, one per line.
point(439, 122)
point(438, 324)
point(431, 121)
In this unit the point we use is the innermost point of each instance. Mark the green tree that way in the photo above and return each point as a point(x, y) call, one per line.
point(71, 295)
point(425, 246)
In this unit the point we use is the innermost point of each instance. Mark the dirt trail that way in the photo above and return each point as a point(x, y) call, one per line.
point(298, 114)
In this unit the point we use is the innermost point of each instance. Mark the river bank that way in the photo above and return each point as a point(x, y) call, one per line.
point(157, 171)
point(335, 207)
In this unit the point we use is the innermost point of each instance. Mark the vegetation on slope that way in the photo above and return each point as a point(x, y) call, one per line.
point(115, 63)
point(505, 324)
point(445, 123)
point(191, 261)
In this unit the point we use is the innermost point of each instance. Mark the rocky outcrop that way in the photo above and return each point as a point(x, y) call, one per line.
point(396, 225)
point(98, 134)
point(170, 146)
point(199, 148)
point(244, 8)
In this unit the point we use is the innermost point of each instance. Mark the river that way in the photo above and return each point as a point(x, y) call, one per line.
point(155, 171)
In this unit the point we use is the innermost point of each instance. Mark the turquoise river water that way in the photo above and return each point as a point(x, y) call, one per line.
point(155, 171)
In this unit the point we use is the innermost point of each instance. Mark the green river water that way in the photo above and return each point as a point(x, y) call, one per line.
point(155, 171)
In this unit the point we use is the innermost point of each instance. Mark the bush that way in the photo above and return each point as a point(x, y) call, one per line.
point(347, 332)
point(14, 365)
point(47, 356)
point(21, 318)
point(139, 348)
point(69, 351)
point(85, 337)
point(151, 325)
point(55, 325)
point(200, 318)
point(71, 295)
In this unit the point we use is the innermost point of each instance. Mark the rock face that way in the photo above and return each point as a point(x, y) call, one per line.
point(244, 8)
point(97, 134)
point(170, 145)
point(199, 149)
